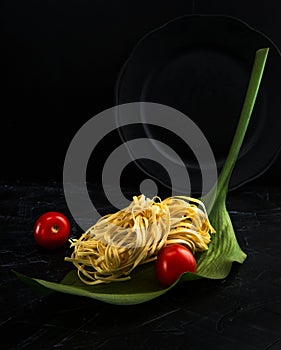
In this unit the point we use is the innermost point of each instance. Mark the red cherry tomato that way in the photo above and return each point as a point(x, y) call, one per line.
point(51, 230)
point(172, 261)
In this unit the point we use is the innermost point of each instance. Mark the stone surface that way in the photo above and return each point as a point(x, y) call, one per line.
point(242, 311)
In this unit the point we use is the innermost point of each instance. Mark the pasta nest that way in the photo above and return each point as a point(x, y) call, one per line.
point(117, 243)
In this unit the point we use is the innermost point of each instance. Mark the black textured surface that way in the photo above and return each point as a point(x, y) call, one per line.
point(242, 311)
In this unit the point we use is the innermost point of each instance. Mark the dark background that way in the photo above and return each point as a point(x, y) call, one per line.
point(60, 62)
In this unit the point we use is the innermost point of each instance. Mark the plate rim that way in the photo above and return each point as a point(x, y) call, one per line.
point(271, 160)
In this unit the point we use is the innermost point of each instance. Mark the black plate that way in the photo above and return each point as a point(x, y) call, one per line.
point(200, 65)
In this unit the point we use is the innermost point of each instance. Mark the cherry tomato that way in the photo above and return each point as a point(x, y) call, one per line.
point(172, 261)
point(51, 230)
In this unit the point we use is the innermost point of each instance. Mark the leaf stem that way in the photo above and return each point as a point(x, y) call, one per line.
point(246, 112)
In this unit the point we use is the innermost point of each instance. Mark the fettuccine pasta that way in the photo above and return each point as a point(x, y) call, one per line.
point(112, 248)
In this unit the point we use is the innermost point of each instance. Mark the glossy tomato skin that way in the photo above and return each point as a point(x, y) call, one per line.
point(172, 261)
point(51, 230)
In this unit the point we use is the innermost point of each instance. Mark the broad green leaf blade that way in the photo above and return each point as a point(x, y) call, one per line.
point(224, 249)
point(141, 288)
point(228, 250)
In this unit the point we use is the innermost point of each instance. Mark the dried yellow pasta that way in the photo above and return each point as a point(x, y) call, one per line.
point(112, 248)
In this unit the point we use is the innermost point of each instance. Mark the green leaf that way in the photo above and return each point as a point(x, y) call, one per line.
point(215, 263)
point(223, 250)
point(142, 287)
